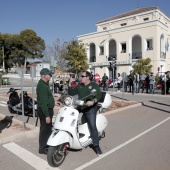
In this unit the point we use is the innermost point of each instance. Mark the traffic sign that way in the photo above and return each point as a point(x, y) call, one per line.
point(97, 77)
point(158, 69)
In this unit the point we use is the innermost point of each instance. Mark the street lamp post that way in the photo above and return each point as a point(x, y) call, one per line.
point(3, 58)
point(112, 65)
point(2, 44)
point(161, 69)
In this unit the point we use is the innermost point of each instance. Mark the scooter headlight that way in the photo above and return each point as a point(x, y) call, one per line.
point(35, 106)
point(68, 101)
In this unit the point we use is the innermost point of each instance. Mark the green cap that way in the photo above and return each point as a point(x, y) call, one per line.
point(46, 71)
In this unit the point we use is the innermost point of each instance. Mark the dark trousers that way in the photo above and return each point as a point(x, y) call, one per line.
point(163, 88)
point(125, 86)
point(167, 87)
point(142, 85)
point(118, 86)
point(90, 115)
point(45, 129)
point(131, 86)
point(147, 87)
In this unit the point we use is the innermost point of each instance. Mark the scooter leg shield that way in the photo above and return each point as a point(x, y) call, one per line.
point(57, 138)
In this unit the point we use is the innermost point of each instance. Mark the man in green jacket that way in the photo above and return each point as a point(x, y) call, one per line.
point(90, 109)
point(45, 101)
point(105, 82)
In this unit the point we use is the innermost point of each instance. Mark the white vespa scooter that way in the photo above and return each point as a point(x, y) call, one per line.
point(71, 132)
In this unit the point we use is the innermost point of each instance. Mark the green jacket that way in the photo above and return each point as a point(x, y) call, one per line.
point(131, 77)
point(45, 99)
point(104, 79)
point(83, 91)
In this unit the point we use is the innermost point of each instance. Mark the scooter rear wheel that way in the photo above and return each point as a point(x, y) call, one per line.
point(10, 109)
point(56, 155)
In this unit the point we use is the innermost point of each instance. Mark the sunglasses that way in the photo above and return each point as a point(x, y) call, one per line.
point(83, 76)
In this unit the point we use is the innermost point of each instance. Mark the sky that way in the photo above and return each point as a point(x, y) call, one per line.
point(65, 19)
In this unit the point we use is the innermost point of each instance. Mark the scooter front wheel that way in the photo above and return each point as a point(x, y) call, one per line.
point(56, 155)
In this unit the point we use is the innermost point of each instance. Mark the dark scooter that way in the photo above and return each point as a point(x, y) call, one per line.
point(58, 86)
point(15, 103)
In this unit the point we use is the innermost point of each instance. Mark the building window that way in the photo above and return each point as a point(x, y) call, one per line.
point(104, 28)
point(123, 24)
point(123, 47)
point(149, 44)
point(101, 50)
point(145, 19)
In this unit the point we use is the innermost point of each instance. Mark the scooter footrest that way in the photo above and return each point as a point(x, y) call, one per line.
point(103, 135)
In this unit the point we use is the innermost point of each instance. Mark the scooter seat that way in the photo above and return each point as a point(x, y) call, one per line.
point(82, 119)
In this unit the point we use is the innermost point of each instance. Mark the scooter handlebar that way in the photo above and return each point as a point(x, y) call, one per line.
point(12, 90)
point(17, 89)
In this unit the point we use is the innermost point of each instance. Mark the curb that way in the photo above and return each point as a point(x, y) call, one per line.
point(136, 94)
point(122, 109)
point(26, 132)
point(32, 131)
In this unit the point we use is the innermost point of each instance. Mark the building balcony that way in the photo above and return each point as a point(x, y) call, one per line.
point(92, 59)
point(137, 55)
point(111, 57)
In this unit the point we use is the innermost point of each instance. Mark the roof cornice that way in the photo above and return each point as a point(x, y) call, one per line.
point(128, 14)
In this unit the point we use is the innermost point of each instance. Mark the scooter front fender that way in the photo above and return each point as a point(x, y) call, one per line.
point(57, 138)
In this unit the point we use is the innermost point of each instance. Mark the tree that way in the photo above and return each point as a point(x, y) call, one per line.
point(76, 57)
point(6, 41)
point(17, 48)
point(55, 51)
point(142, 65)
point(32, 45)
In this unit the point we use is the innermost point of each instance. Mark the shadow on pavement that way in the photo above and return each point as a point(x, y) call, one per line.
point(143, 104)
point(5, 123)
point(119, 97)
point(159, 103)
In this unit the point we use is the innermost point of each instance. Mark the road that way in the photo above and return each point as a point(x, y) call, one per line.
point(136, 139)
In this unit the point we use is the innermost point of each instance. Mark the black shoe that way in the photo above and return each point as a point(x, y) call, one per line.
point(98, 150)
point(44, 151)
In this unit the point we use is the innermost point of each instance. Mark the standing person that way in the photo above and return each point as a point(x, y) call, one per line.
point(131, 80)
point(45, 102)
point(152, 83)
point(136, 82)
point(119, 81)
point(126, 83)
point(104, 80)
point(90, 109)
point(108, 81)
point(147, 83)
point(163, 81)
point(142, 81)
point(167, 82)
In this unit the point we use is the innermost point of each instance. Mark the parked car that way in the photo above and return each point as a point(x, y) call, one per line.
point(115, 84)
point(101, 83)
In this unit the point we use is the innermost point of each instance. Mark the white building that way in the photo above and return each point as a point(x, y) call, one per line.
point(141, 33)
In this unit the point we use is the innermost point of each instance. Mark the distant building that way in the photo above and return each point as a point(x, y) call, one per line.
point(141, 33)
point(37, 67)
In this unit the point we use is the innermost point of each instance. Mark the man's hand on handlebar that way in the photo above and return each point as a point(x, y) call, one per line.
point(90, 103)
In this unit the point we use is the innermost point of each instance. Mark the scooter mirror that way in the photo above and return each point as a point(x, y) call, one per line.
point(93, 92)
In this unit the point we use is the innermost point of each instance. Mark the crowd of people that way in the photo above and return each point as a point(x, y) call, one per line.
point(133, 83)
point(136, 83)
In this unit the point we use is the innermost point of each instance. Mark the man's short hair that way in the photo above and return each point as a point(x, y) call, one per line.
point(88, 74)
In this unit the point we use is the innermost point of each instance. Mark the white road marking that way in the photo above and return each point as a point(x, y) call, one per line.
point(4, 105)
point(28, 157)
point(3, 102)
point(121, 146)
